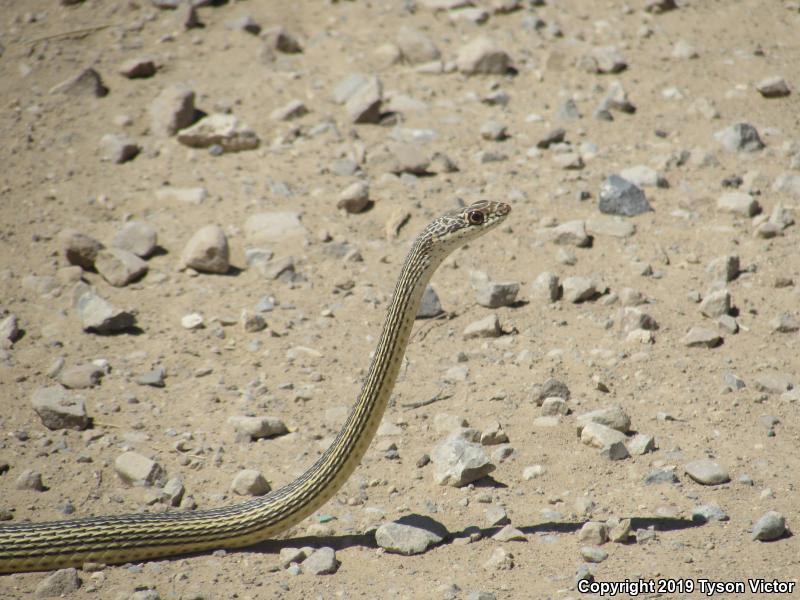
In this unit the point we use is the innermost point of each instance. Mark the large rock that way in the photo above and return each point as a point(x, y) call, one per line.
point(364, 105)
point(172, 110)
point(207, 251)
point(58, 584)
point(58, 409)
point(483, 56)
point(410, 535)
point(619, 196)
point(223, 130)
point(98, 315)
point(458, 462)
point(614, 417)
point(707, 472)
point(119, 267)
point(137, 237)
point(249, 482)
point(740, 137)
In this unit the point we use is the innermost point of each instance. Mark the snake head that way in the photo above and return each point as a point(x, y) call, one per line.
point(461, 225)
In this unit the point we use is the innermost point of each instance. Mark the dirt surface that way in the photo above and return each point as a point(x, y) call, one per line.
point(54, 177)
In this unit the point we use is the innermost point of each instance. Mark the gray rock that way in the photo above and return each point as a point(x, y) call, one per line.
point(740, 137)
point(415, 46)
point(739, 203)
point(402, 158)
point(252, 322)
point(79, 248)
point(707, 472)
point(194, 196)
point(709, 512)
point(281, 40)
point(788, 184)
point(773, 87)
point(207, 251)
point(482, 56)
point(555, 136)
point(546, 287)
point(87, 83)
point(249, 482)
point(258, 427)
point(716, 304)
point(481, 595)
point(610, 441)
point(364, 105)
point(658, 476)
point(494, 294)
point(288, 112)
point(684, 50)
point(81, 376)
point(571, 233)
point(619, 196)
point(153, 378)
point(784, 323)
point(593, 532)
point(9, 329)
point(554, 406)
point(138, 68)
point(617, 99)
point(136, 237)
point(29, 480)
point(500, 560)
point(273, 227)
point(644, 176)
point(172, 110)
point(700, 337)
point(458, 462)
point(118, 148)
point(593, 554)
point(219, 129)
point(610, 226)
point(632, 318)
point(489, 326)
point(508, 533)
point(657, 7)
point(614, 417)
point(496, 516)
point(136, 469)
point(619, 530)
point(244, 23)
point(773, 383)
point(580, 289)
point(641, 444)
point(413, 534)
point(354, 198)
point(119, 267)
point(58, 584)
point(733, 381)
point(603, 59)
point(321, 562)
point(771, 526)
point(493, 131)
point(348, 87)
point(568, 111)
point(430, 306)
point(58, 409)
point(551, 388)
point(724, 268)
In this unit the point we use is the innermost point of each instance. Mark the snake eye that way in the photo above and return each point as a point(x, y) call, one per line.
point(475, 217)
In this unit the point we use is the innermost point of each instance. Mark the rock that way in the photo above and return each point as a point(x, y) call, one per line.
point(659, 6)
point(280, 40)
point(784, 323)
point(593, 554)
point(551, 388)
point(684, 50)
point(773, 383)
point(509, 534)
point(725, 268)
point(81, 377)
point(80, 249)
point(348, 87)
point(416, 47)
point(207, 251)
point(495, 294)
point(153, 378)
point(87, 83)
point(136, 469)
point(604, 59)
point(58, 409)
point(445, 423)
point(354, 198)
point(614, 417)
point(252, 322)
point(413, 534)
point(700, 337)
point(364, 104)
point(546, 287)
point(610, 226)
point(594, 533)
point(293, 110)
point(661, 476)
point(644, 176)
point(29, 480)
point(482, 56)
point(788, 184)
point(716, 304)
point(500, 560)
point(554, 406)
point(707, 472)
point(249, 482)
point(708, 512)
point(493, 131)
point(571, 233)
point(137, 68)
point(119, 267)
point(404, 158)
point(218, 129)
point(619, 530)
point(771, 526)
point(568, 111)
point(192, 321)
point(244, 23)
point(194, 196)
point(641, 444)
point(58, 584)
point(489, 326)
point(580, 289)
point(555, 136)
point(458, 462)
point(740, 137)
point(532, 472)
point(273, 227)
point(430, 306)
point(704, 107)
point(136, 237)
point(773, 87)
point(610, 441)
point(258, 427)
point(619, 196)
point(632, 318)
point(9, 329)
point(321, 562)
point(739, 203)
point(172, 110)
point(118, 149)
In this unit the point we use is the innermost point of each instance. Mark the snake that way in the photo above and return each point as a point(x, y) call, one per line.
point(127, 538)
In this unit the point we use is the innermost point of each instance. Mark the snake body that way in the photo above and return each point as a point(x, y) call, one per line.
point(134, 537)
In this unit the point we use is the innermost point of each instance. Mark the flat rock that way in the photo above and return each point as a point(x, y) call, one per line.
point(119, 267)
point(700, 337)
point(571, 233)
point(58, 409)
point(487, 327)
point(482, 56)
point(600, 436)
point(430, 306)
point(273, 227)
point(258, 427)
point(619, 196)
point(219, 129)
point(321, 562)
point(773, 87)
point(136, 469)
point(773, 383)
point(294, 109)
point(771, 526)
point(87, 83)
point(658, 476)
point(740, 137)
point(614, 417)
point(609, 226)
point(458, 462)
point(79, 248)
point(153, 377)
point(172, 110)
point(739, 203)
point(413, 534)
point(58, 584)
point(207, 251)
point(580, 289)
point(494, 294)
point(705, 513)
point(195, 196)
point(707, 472)
point(81, 376)
point(644, 176)
point(249, 482)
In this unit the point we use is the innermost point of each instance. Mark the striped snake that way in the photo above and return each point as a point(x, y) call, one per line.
point(142, 536)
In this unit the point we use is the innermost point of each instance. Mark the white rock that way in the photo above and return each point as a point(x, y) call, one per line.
point(136, 469)
point(219, 129)
point(249, 482)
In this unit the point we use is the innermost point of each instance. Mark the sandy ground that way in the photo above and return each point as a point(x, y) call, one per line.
point(53, 177)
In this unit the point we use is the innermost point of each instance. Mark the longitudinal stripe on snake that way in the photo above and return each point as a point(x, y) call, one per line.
point(132, 537)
